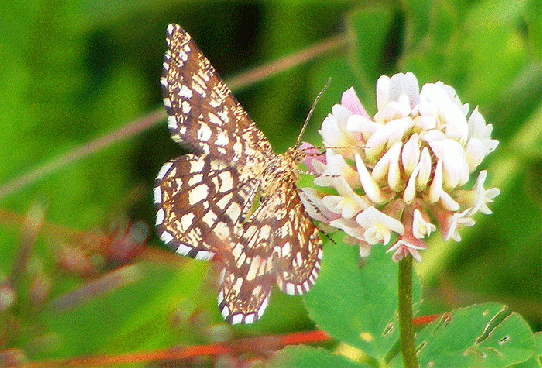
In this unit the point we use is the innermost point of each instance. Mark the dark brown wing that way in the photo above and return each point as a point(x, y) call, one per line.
point(298, 248)
point(278, 243)
point(203, 114)
point(199, 201)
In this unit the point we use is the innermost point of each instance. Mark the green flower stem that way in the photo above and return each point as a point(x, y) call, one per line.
point(405, 313)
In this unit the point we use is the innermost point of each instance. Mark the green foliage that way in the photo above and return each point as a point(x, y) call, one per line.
point(310, 357)
point(356, 304)
point(485, 335)
point(364, 299)
point(119, 310)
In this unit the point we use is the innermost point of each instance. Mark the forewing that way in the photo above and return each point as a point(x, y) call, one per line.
point(203, 114)
point(278, 243)
point(199, 201)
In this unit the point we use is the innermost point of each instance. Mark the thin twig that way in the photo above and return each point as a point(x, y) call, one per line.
point(257, 74)
point(82, 151)
point(131, 129)
point(237, 347)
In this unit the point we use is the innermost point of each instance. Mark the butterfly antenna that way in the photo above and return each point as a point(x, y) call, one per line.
point(311, 111)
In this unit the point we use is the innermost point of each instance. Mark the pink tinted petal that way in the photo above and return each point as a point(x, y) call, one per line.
point(311, 154)
point(351, 101)
point(406, 245)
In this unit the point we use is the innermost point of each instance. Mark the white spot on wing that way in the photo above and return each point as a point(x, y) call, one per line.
point(171, 122)
point(222, 140)
point(265, 231)
point(234, 211)
point(226, 180)
point(237, 285)
point(204, 133)
point(222, 231)
point(223, 202)
point(214, 119)
point(185, 92)
point(225, 312)
point(196, 166)
point(166, 237)
point(298, 259)
point(195, 179)
point(163, 171)
point(286, 249)
point(222, 276)
point(198, 194)
point(186, 107)
point(253, 270)
point(209, 218)
point(157, 195)
point(238, 318)
point(187, 221)
point(250, 318)
point(290, 289)
point(204, 255)
point(263, 306)
point(237, 250)
point(159, 217)
point(183, 249)
point(241, 259)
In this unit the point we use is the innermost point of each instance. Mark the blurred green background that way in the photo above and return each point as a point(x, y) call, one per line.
point(73, 71)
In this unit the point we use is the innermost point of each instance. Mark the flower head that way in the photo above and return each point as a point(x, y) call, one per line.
point(403, 172)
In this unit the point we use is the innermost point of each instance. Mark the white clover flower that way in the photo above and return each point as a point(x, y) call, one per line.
point(421, 227)
point(378, 226)
point(404, 247)
point(402, 173)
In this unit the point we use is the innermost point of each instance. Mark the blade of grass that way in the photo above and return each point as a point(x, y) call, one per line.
point(236, 83)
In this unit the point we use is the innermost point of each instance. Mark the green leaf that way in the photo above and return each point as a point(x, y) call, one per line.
point(431, 48)
point(538, 343)
point(418, 20)
point(304, 356)
point(356, 303)
point(485, 335)
point(534, 27)
point(122, 310)
point(370, 29)
point(532, 362)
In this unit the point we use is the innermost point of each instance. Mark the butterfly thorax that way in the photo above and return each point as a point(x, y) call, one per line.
point(282, 168)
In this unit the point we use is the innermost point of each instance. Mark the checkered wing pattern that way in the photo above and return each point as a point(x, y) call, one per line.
point(231, 196)
point(279, 244)
point(199, 201)
point(202, 112)
point(299, 248)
